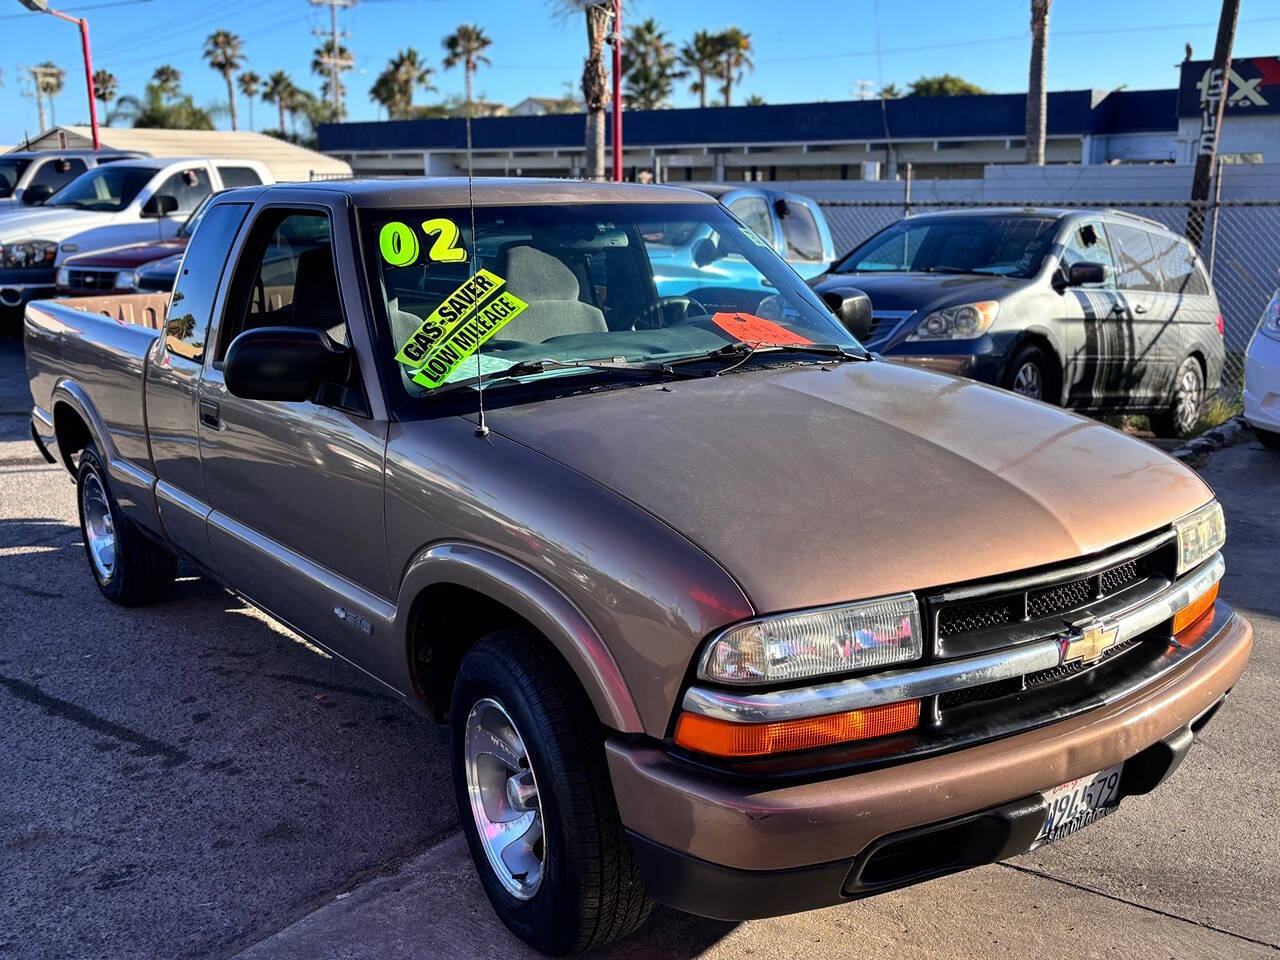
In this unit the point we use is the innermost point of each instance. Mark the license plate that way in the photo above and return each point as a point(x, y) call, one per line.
point(1078, 803)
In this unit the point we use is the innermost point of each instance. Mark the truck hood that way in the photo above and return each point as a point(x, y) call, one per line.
point(49, 223)
point(815, 485)
point(132, 255)
point(921, 291)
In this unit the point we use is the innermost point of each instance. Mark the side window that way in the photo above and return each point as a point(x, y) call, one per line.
point(1087, 243)
point(754, 212)
point(1178, 266)
point(285, 277)
point(801, 233)
point(187, 324)
point(58, 173)
point(239, 177)
point(1136, 265)
point(188, 187)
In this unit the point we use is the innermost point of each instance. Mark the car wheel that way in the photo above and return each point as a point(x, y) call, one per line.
point(536, 802)
point(1183, 413)
point(1028, 374)
point(1269, 438)
point(129, 568)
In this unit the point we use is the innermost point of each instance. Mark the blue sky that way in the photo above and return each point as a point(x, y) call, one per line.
point(804, 49)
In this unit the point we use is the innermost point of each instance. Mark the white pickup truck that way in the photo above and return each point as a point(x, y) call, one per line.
point(30, 177)
point(129, 201)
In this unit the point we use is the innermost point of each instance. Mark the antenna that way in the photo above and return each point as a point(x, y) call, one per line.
point(481, 430)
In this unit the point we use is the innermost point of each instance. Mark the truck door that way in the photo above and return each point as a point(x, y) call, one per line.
point(187, 188)
point(173, 383)
point(296, 487)
point(1088, 315)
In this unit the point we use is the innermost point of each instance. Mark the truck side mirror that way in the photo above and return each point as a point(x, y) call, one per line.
point(705, 251)
point(283, 363)
point(36, 194)
point(159, 205)
point(1081, 274)
point(852, 307)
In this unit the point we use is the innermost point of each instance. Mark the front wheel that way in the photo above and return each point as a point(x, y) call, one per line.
point(535, 799)
point(1183, 413)
point(1028, 374)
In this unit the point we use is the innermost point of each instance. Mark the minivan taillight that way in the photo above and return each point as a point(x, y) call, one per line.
point(1221, 328)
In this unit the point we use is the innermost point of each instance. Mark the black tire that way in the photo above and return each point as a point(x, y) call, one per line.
point(1028, 374)
point(140, 570)
point(1182, 415)
point(1268, 438)
point(589, 892)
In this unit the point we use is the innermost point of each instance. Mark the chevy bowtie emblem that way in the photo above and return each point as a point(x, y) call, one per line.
point(1094, 640)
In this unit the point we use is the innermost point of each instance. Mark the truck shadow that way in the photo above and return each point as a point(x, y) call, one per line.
point(211, 770)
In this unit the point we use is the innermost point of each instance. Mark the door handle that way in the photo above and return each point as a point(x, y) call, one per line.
point(1139, 308)
point(209, 414)
point(1117, 310)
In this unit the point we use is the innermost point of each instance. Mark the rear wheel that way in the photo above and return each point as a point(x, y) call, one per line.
point(1028, 374)
point(1268, 438)
point(535, 799)
point(1183, 413)
point(129, 568)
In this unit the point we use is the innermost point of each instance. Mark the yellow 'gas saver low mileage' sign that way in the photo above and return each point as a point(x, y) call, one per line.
point(463, 321)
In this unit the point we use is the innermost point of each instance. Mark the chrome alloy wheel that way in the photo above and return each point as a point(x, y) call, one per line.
point(1190, 399)
point(1028, 381)
point(504, 798)
point(99, 530)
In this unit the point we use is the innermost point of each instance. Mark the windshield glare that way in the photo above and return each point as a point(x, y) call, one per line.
point(110, 188)
point(615, 282)
point(1010, 246)
point(10, 173)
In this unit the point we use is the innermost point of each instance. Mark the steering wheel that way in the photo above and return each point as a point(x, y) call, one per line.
point(654, 316)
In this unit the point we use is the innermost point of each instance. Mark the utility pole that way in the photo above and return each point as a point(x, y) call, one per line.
point(1212, 107)
point(332, 60)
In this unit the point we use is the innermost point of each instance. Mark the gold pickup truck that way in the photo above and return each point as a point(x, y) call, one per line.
point(721, 611)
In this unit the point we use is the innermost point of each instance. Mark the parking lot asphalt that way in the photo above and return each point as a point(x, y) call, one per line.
point(193, 780)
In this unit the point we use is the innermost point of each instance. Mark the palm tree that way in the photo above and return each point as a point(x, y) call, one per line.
point(1035, 84)
point(595, 82)
point(225, 54)
point(329, 61)
point(49, 80)
point(168, 79)
point(702, 56)
point(410, 71)
point(162, 106)
point(735, 51)
point(249, 83)
point(890, 91)
point(466, 46)
point(279, 89)
point(386, 92)
point(649, 65)
point(105, 86)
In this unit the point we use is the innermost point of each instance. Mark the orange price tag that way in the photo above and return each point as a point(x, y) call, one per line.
point(752, 329)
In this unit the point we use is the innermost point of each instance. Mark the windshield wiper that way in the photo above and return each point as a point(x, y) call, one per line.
point(744, 350)
point(944, 269)
point(529, 367)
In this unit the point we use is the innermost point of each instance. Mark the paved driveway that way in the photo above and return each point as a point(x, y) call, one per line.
point(192, 780)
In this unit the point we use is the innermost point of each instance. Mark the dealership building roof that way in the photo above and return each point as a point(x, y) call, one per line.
point(939, 136)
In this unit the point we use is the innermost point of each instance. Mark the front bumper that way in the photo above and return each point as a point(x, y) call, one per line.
point(736, 849)
point(1262, 383)
point(20, 287)
point(982, 359)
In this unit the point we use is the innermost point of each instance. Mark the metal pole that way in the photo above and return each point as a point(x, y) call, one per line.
point(1214, 105)
point(617, 91)
point(88, 71)
point(906, 194)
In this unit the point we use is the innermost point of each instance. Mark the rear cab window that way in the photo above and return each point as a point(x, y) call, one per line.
point(239, 177)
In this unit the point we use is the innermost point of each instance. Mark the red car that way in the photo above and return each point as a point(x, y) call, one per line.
point(116, 268)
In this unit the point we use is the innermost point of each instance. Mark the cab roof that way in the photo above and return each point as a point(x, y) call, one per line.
point(495, 191)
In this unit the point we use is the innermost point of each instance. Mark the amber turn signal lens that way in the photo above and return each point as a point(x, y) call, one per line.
point(1194, 610)
point(724, 738)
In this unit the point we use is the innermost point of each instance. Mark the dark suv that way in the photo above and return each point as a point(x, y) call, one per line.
point(1097, 310)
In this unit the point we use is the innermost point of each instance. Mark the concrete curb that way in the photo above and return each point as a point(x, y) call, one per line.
point(1223, 435)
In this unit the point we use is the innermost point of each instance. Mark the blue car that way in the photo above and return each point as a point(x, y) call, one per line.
point(790, 224)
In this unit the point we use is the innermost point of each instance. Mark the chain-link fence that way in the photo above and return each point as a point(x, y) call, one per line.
point(1240, 249)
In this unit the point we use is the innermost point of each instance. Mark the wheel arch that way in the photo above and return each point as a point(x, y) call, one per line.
point(76, 424)
point(1042, 338)
point(470, 591)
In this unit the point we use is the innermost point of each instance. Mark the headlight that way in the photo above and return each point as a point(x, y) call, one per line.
point(797, 646)
point(127, 280)
point(29, 253)
point(63, 278)
point(965, 322)
point(1200, 535)
point(1270, 325)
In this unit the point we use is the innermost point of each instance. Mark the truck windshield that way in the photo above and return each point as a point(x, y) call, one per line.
point(10, 173)
point(625, 283)
point(110, 188)
point(1009, 246)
